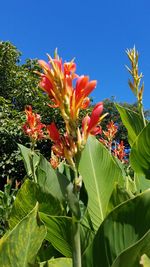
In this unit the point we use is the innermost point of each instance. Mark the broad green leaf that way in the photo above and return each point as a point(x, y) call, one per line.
point(119, 195)
point(19, 247)
point(99, 172)
point(50, 180)
point(131, 185)
point(140, 153)
point(46, 252)
point(132, 121)
point(59, 233)
point(126, 225)
point(26, 199)
point(131, 256)
point(66, 170)
point(60, 262)
point(145, 261)
point(87, 236)
point(73, 201)
point(141, 183)
point(26, 154)
point(120, 165)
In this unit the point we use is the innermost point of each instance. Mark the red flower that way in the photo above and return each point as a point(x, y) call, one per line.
point(33, 126)
point(54, 135)
point(90, 124)
point(95, 116)
point(64, 147)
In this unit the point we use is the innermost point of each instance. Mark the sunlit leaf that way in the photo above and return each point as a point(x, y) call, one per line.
point(20, 246)
point(59, 233)
point(99, 172)
point(126, 227)
point(140, 153)
point(26, 154)
point(50, 180)
point(60, 262)
point(145, 261)
point(26, 199)
point(132, 121)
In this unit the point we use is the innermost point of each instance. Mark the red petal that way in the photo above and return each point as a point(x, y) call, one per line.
point(81, 83)
point(46, 85)
point(85, 103)
point(58, 63)
point(69, 67)
point(95, 116)
point(90, 87)
point(53, 132)
point(96, 130)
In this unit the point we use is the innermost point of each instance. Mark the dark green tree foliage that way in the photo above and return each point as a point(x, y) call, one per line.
point(10, 133)
point(9, 58)
point(18, 88)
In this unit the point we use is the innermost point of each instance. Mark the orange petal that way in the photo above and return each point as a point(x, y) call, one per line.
point(44, 65)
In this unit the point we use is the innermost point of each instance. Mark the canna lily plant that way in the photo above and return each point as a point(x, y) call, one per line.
point(84, 207)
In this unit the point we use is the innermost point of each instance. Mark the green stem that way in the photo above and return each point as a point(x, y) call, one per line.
point(31, 161)
point(140, 106)
point(76, 254)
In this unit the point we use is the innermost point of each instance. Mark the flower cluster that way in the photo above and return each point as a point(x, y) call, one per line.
point(33, 126)
point(70, 93)
point(109, 135)
point(117, 149)
point(65, 146)
point(57, 81)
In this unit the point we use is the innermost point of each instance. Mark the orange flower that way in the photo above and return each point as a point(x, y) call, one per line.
point(120, 151)
point(49, 80)
point(54, 161)
point(69, 68)
point(58, 82)
point(80, 98)
point(33, 126)
point(111, 130)
point(46, 85)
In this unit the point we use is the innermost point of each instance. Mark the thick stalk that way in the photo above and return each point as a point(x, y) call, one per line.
point(76, 254)
point(31, 162)
point(140, 106)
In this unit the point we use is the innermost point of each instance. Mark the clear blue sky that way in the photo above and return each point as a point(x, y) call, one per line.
point(95, 32)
